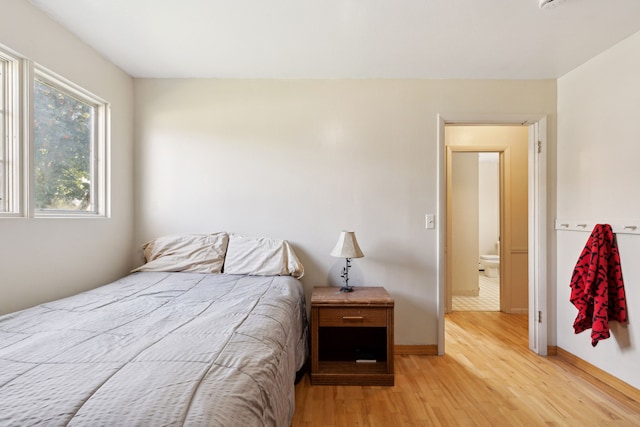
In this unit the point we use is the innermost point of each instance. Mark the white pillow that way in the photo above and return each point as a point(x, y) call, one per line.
point(200, 253)
point(261, 256)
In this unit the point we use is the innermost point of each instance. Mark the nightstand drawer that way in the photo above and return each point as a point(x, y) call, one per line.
point(352, 316)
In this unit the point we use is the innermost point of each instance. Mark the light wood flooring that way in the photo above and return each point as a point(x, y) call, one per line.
point(488, 377)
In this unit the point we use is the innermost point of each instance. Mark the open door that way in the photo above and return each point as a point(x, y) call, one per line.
point(538, 316)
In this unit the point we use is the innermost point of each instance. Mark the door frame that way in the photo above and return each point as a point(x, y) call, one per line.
point(537, 305)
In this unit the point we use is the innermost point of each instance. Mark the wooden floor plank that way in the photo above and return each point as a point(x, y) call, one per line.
point(488, 377)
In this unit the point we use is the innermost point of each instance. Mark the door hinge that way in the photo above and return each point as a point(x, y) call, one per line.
point(539, 316)
point(539, 146)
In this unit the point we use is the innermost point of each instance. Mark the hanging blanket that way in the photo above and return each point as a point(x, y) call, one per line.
point(597, 289)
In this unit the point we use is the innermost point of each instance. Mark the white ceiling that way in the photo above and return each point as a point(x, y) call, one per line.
point(495, 39)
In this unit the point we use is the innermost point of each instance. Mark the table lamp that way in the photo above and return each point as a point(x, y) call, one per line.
point(347, 247)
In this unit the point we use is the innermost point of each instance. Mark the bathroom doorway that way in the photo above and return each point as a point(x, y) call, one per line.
point(463, 144)
point(475, 211)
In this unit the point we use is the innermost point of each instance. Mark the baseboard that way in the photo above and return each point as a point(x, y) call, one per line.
point(466, 292)
point(420, 350)
point(607, 379)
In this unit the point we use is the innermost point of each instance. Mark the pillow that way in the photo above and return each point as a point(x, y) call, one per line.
point(261, 256)
point(200, 253)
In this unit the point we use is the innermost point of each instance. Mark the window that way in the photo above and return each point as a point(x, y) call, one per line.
point(53, 144)
point(68, 148)
point(10, 160)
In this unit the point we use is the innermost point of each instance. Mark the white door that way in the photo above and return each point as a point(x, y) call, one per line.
point(538, 316)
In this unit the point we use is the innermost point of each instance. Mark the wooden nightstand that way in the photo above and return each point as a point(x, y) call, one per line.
point(351, 336)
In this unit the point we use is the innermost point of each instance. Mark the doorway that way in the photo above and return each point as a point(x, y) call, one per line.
point(463, 143)
point(535, 252)
point(473, 231)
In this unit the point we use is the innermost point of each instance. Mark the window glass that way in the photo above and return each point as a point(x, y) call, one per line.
point(64, 146)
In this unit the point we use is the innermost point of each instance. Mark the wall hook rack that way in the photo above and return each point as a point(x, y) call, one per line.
point(619, 227)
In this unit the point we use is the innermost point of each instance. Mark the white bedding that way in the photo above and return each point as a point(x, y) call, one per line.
point(157, 349)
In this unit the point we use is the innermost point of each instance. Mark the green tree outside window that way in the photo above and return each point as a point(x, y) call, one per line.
point(63, 141)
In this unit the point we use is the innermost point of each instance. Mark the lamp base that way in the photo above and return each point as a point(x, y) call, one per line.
point(346, 289)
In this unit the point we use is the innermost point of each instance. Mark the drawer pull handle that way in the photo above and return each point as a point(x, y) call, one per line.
point(352, 317)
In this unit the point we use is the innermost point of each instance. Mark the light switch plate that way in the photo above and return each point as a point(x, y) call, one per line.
point(430, 220)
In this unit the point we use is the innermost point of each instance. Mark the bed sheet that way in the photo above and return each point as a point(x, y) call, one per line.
point(156, 349)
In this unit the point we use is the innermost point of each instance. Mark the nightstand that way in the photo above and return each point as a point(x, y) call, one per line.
point(351, 336)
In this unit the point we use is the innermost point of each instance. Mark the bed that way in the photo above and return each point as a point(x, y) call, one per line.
point(164, 347)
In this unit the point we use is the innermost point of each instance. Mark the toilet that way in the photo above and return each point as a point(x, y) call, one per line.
point(491, 263)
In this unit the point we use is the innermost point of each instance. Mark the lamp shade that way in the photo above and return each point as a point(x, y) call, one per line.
point(347, 246)
point(548, 3)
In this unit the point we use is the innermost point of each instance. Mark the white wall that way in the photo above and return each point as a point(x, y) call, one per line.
point(44, 259)
point(303, 159)
point(598, 175)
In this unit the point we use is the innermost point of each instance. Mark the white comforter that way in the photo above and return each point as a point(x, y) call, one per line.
point(156, 349)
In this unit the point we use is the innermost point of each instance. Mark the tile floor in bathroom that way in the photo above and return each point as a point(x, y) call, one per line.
point(488, 300)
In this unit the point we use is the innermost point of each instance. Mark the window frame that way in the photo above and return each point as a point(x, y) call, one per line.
point(99, 149)
point(12, 144)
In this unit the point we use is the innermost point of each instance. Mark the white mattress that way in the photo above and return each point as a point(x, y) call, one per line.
point(157, 349)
